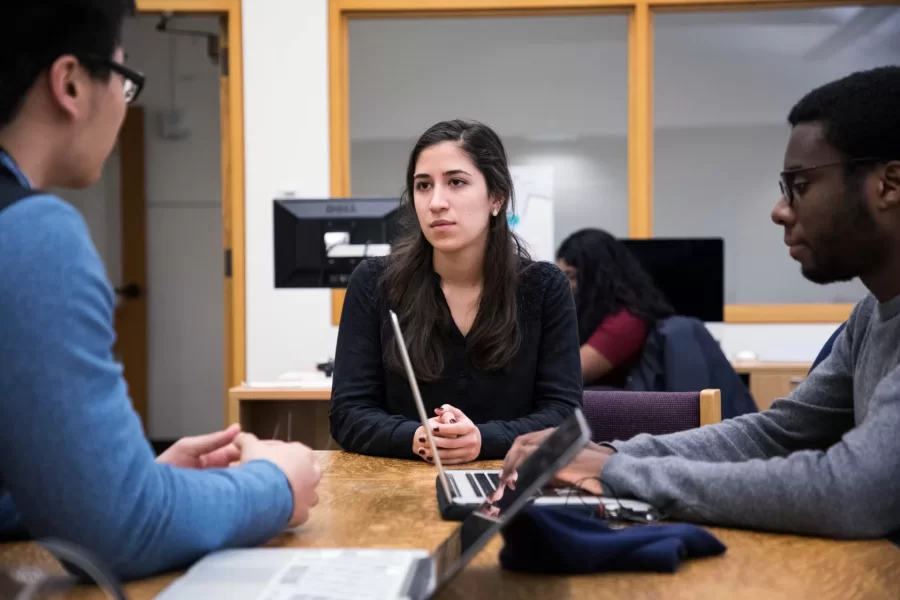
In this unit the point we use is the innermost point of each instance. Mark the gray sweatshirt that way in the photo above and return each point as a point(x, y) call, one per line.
point(823, 461)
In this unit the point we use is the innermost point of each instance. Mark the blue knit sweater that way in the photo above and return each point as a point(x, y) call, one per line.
point(74, 462)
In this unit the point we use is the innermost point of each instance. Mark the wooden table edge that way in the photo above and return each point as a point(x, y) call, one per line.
point(243, 393)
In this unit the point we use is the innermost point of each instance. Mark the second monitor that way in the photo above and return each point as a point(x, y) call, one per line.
point(690, 272)
point(319, 242)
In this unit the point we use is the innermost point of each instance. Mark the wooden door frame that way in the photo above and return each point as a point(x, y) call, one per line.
point(233, 192)
point(131, 313)
point(640, 102)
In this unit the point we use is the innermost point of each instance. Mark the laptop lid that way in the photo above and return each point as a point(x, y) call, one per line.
point(491, 517)
point(420, 405)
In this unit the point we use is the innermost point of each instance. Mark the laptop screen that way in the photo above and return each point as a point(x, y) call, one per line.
point(533, 474)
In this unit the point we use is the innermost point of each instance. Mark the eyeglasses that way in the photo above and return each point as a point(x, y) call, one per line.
point(787, 178)
point(134, 80)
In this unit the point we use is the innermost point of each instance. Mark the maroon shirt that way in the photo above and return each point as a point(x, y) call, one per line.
point(619, 338)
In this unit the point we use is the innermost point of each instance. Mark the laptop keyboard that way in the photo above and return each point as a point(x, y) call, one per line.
point(361, 576)
point(483, 484)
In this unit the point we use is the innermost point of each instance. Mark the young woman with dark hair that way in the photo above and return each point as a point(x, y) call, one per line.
point(492, 335)
point(616, 301)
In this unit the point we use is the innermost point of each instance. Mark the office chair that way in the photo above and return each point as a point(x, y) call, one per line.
point(620, 415)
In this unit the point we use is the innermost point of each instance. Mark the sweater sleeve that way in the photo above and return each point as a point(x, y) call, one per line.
point(358, 416)
point(619, 338)
point(75, 459)
point(558, 386)
point(814, 416)
point(803, 467)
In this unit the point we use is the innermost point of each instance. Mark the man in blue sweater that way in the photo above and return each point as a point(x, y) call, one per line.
point(74, 463)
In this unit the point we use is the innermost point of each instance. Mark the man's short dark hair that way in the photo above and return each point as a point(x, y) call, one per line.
point(860, 113)
point(34, 33)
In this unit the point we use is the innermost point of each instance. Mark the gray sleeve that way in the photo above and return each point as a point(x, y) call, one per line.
point(803, 469)
point(813, 416)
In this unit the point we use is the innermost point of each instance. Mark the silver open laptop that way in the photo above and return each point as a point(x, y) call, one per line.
point(462, 490)
point(377, 574)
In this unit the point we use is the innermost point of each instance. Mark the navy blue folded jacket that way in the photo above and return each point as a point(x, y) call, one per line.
point(555, 541)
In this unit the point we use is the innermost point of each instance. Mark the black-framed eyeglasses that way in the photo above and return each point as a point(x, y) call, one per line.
point(134, 80)
point(787, 178)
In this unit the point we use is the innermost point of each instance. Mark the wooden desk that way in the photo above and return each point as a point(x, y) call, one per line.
point(769, 381)
point(380, 503)
point(303, 410)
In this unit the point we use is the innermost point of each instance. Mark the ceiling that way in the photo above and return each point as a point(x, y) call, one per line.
point(567, 76)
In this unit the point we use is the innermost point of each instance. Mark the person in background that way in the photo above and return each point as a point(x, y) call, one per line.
point(826, 459)
point(74, 462)
point(616, 301)
point(492, 335)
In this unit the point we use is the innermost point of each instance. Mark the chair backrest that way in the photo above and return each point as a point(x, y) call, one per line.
point(694, 360)
point(826, 349)
point(621, 415)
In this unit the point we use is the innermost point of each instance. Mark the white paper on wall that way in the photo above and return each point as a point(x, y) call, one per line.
point(533, 218)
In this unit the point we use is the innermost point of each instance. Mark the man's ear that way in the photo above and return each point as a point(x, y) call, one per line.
point(68, 85)
point(889, 186)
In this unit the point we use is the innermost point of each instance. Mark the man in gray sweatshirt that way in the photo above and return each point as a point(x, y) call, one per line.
point(826, 459)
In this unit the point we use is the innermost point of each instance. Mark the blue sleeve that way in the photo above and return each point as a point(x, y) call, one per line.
point(74, 456)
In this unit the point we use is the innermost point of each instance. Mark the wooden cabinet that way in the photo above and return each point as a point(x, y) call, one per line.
point(769, 381)
point(287, 413)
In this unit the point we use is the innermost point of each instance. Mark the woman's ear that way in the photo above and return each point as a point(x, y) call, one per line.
point(496, 205)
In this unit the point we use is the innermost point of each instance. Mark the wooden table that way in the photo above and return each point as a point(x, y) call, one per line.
point(300, 411)
point(379, 503)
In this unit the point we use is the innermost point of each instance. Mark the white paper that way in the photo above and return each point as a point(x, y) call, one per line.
point(532, 220)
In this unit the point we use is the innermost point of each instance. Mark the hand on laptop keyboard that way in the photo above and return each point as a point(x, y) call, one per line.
point(583, 471)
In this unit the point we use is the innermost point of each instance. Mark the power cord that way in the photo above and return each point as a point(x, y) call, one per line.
point(705, 515)
point(620, 514)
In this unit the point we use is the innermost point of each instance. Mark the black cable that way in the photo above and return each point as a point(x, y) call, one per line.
point(665, 513)
point(621, 514)
point(86, 567)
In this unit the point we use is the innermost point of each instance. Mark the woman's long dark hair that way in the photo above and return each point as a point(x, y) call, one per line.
point(609, 279)
point(410, 282)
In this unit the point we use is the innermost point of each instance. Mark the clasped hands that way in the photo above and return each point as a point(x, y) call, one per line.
point(457, 438)
point(220, 449)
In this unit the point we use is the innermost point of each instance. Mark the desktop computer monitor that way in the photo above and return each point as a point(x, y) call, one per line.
point(690, 272)
point(318, 243)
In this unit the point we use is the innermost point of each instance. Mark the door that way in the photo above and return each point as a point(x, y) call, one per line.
point(131, 294)
point(232, 223)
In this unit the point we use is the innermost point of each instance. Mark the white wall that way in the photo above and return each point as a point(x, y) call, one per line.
point(286, 121)
point(790, 342)
point(286, 148)
point(184, 229)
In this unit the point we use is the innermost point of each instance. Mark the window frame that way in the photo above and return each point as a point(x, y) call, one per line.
point(640, 101)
